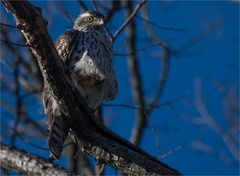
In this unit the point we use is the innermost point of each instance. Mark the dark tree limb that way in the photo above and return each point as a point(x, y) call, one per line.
point(27, 164)
point(165, 59)
point(135, 78)
point(146, 109)
point(92, 137)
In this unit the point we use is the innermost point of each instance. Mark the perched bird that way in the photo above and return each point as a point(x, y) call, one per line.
point(86, 50)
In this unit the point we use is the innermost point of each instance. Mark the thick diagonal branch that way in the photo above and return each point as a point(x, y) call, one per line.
point(92, 137)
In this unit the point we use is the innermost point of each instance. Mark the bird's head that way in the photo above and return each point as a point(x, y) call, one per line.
point(89, 19)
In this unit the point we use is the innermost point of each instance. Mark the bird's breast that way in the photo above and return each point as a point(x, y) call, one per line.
point(94, 49)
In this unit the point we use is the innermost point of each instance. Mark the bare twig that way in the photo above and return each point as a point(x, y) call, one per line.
point(208, 150)
point(82, 5)
point(212, 124)
point(17, 100)
point(165, 63)
point(171, 101)
point(197, 39)
point(114, 8)
point(16, 133)
point(66, 13)
point(129, 19)
point(163, 76)
point(161, 27)
point(137, 50)
point(94, 4)
point(171, 151)
point(13, 43)
point(8, 25)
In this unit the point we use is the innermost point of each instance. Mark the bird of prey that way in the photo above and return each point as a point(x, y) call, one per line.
point(86, 50)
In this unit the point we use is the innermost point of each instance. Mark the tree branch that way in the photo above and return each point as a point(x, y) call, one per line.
point(129, 19)
point(140, 122)
point(92, 137)
point(94, 4)
point(114, 8)
point(212, 124)
point(27, 164)
point(82, 5)
point(135, 79)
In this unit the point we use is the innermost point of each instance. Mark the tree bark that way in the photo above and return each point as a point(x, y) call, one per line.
point(27, 164)
point(92, 137)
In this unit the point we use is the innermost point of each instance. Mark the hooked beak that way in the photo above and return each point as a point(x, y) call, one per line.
point(100, 21)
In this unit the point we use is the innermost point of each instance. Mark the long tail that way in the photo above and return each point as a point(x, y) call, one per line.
point(58, 134)
point(57, 124)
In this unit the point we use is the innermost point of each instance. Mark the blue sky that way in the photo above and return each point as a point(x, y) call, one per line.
point(214, 57)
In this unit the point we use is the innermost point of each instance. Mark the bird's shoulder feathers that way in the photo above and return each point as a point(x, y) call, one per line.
point(66, 42)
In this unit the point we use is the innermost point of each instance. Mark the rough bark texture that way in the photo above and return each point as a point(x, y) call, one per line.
point(22, 162)
point(92, 137)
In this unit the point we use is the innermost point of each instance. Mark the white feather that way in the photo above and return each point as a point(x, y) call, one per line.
point(85, 14)
point(81, 64)
point(54, 105)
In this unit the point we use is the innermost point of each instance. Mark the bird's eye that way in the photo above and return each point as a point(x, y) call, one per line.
point(89, 19)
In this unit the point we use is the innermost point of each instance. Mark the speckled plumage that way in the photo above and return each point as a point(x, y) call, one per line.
point(87, 52)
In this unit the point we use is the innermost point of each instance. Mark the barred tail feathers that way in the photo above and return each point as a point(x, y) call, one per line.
point(57, 125)
point(58, 134)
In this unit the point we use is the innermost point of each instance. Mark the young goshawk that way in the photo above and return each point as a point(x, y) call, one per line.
point(86, 50)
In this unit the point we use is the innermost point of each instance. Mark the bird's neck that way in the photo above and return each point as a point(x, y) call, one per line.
point(87, 28)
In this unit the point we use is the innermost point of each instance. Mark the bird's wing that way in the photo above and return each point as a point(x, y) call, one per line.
point(110, 86)
point(55, 119)
point(66, 43)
